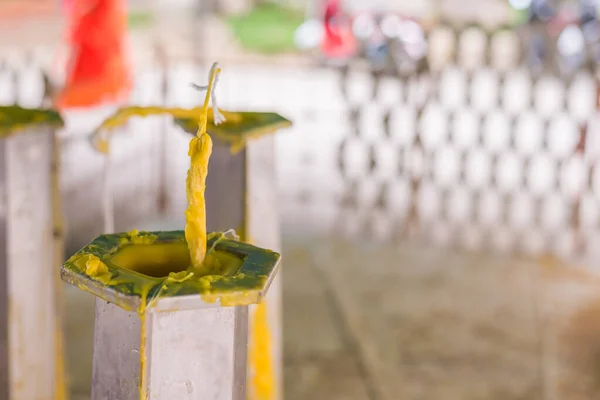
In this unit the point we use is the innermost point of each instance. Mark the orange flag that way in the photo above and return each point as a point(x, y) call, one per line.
point(97, 70)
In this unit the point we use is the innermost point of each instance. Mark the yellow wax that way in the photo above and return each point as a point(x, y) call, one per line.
point(102, 133)
point(60, 390)
point(262, 380)
point(157, 260)
point(195, 216)
point(199, 152)
point(160, 260)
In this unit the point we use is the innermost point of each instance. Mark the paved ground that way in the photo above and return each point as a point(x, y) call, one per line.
point(413, 323)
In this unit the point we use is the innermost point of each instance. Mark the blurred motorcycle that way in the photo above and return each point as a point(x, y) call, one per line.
point(566, 36)
point(338, 43)
point(408, 44)
point(329, 34)
point(389, 42)
point(587, 30)
point(372, 43)
point(578, 41)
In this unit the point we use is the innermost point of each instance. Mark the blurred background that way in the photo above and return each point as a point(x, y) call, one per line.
point(439, 193)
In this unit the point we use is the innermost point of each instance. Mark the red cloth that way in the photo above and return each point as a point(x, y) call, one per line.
point(97, 71)
point(338, 40)
point(332, 10)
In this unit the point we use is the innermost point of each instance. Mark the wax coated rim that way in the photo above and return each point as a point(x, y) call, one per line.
point(256, 273)
point(15, 119)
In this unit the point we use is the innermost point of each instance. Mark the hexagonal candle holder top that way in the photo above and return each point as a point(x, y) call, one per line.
point(163, 330)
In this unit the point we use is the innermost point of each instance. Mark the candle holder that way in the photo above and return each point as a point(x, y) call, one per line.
point(162, 331)
point(31, 364)
point(241, 191)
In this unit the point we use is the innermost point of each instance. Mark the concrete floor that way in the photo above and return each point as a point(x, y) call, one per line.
point(403, 321)
point(408, 322)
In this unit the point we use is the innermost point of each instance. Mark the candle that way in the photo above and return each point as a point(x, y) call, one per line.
point(199, 152)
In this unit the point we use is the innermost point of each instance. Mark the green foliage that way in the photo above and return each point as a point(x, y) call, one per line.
point(268, 28)
point(137, 20)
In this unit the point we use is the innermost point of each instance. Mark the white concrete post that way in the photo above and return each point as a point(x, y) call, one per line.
point(28, 309)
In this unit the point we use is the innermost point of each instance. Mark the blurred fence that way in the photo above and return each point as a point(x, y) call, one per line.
point(478, 152)
point(482, 152)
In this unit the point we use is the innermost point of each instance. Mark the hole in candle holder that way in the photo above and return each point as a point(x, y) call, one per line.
point(158, 260)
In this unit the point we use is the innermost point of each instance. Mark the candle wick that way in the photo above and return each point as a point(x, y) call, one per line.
point(218, 117)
